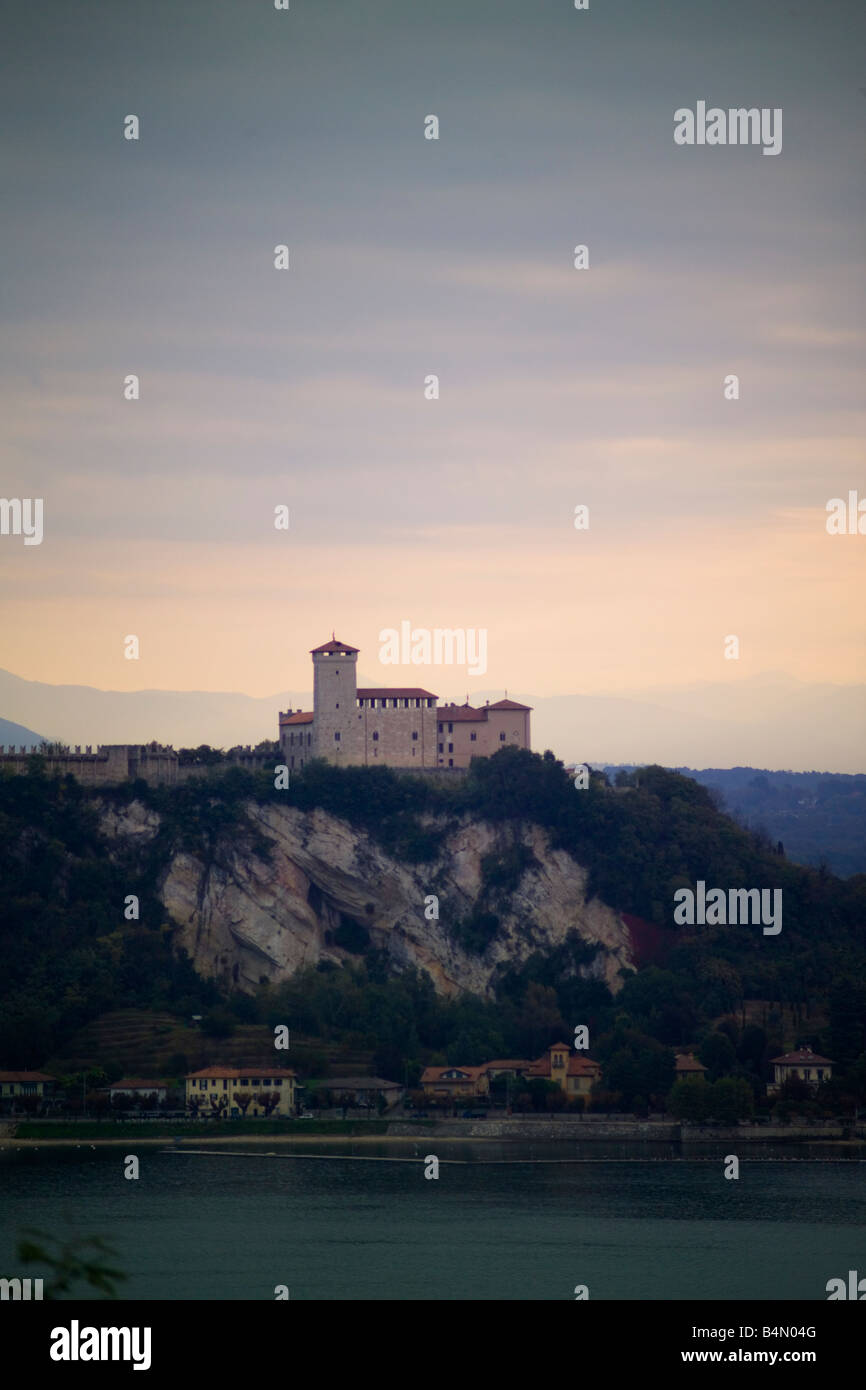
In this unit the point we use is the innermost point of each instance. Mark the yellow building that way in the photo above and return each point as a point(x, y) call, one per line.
point(575, 1074)
point(236, 1092)
point(14, 1084)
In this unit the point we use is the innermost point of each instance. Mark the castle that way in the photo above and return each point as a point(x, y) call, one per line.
point(401, 726)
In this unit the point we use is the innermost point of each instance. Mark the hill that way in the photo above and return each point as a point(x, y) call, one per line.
point(820, 817)
point(18, 735)
point(313, 907)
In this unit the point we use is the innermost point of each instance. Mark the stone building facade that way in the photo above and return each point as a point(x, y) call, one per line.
point(398, 726)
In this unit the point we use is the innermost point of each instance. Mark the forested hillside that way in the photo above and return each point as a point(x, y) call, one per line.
point(69, 954)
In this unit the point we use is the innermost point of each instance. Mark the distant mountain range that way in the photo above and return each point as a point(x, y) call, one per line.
point(18, 736)
point(769, 721)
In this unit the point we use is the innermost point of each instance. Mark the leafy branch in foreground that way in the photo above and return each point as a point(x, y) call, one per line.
point(70, 1264)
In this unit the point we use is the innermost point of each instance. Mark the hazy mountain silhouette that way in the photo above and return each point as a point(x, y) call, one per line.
point(769, 721)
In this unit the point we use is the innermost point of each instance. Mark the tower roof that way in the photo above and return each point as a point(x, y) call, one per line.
point(332, 647)
point(509, 704)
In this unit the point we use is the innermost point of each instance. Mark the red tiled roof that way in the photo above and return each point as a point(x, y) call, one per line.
point(686, 1061)
point(399, 692)
point(803, 1056)
point(575, 1066)
point(301, 717)
point(25, 1076)
point(509, 704)
point(437, 1073)
point(461, 714)
point(235, 1073)
point(333, 647)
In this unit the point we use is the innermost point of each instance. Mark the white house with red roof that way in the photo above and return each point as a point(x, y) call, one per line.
point(809, 1066)
point(396, 726)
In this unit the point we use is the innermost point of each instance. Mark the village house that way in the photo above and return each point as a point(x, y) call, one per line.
point(448, 1083)
point(362, 1091)
point(688, 1065)
point(17, 1084)
point(234, 1092)
point(804, 1063)
point(574, 1073)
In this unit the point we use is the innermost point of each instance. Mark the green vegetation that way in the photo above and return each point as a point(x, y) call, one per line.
point(730, 993)
point(69, 1263)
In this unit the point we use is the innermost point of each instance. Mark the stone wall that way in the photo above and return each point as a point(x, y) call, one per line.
point(109, 765)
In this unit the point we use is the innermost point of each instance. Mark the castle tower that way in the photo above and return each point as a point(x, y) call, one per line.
point(335, 697)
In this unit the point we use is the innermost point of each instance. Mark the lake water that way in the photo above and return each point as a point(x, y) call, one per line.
point(229, 1225)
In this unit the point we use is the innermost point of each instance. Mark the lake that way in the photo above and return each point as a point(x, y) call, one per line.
point(629, 1222)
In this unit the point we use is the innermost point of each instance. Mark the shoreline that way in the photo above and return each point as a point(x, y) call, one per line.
point(194, 1142)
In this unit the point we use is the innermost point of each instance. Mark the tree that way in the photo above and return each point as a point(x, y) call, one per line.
point(70, 1264)
point(718, 1055)
point(219, 1105)
point(539, 1022)
point(267, 1101)
point(218, 1023)
point(243, 1100)
point(731, 1099)
point(690, 1099)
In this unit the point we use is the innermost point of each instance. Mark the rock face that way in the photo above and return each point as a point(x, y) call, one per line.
point(328, 890)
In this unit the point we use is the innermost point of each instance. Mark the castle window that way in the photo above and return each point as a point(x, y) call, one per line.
point(450, 728)
point(414, 738)
point(441, 728)
point(450, 762)
point(501, 738)
point(337, 736)
point(441, 748)
point(451, 748)
point(309, 739)
point(292, 761)
point(376, 738)
point(405, 704)
point(473, 738)
point(396, 704)
point(337, 705)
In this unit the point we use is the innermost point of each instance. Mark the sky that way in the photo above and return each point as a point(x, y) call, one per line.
point(558, 387)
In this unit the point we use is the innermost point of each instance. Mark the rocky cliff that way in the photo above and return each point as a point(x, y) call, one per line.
point(327, 889)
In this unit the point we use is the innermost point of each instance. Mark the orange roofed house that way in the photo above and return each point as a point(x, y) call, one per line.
point(447, 1083)
point(217, 1090)
point(399, 726)
point(574, 1073)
